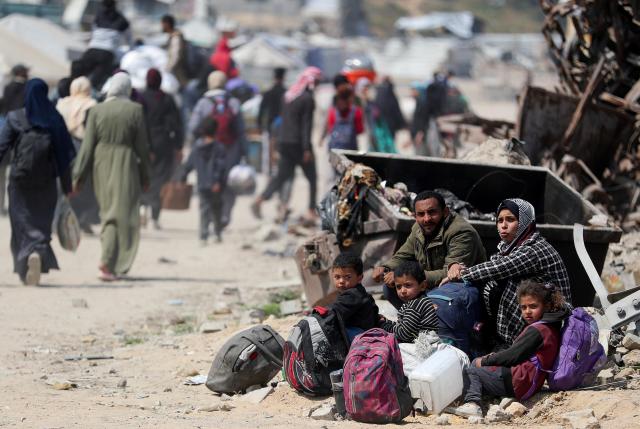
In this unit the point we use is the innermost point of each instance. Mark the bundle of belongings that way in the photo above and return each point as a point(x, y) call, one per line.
point(342, 210)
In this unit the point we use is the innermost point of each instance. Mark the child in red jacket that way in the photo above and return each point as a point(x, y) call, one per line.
point(513, 372)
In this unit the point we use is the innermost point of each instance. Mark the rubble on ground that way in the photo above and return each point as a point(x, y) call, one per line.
point(497, 151)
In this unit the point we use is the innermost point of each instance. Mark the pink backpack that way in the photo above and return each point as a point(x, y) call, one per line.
point(375, 387)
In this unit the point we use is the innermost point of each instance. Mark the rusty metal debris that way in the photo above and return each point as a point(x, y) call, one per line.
point(595, 46)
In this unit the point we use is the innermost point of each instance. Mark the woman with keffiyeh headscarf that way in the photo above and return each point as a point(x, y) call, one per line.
point(165, 139)
point(294, 140)
point(116, 151)
point(31, 207)
point(522, 254)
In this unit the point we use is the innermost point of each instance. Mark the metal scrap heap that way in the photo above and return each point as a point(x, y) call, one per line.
point(595, 45)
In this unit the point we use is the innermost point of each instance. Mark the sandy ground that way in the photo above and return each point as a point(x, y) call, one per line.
point(149, 322)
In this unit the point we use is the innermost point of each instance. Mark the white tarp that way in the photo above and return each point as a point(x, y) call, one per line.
point(457, 23)
point(200, 32)
point(321, 9)
point(412, 59)
point(37, 43)
point(261, 52)
point(138, 61)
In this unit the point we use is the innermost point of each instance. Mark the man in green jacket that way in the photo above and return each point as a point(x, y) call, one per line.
point(438, 239)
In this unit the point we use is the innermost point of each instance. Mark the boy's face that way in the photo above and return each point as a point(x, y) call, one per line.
point(345, 278)
point(408, 287)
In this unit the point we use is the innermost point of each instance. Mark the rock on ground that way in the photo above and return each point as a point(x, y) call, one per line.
point(325, 412)
point(506, 402)
point(442, 420)
point(516, 409)
point(632, 358)
point(631, 341)
point(583, 419)
point(257, 396)
point(475, 420)
point(496, 414)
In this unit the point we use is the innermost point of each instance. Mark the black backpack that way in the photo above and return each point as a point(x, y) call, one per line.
point(33, 161)
point(251, 357)
point(316, 346)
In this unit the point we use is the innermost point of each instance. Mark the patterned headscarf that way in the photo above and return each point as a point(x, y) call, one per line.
point(306, 79)
point(526, 215)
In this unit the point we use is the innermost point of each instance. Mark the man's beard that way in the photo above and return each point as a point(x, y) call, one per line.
point(435, 230)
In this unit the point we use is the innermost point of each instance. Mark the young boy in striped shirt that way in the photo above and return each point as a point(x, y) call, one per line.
point(417, 314)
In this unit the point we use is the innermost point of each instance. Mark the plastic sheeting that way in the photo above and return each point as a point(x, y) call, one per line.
point(459, 24)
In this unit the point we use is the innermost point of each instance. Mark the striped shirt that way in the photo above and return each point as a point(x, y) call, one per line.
point(414, 317)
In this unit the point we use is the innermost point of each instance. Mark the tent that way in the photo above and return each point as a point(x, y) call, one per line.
point(457, 23)
point(258, 57)
point(41, 45)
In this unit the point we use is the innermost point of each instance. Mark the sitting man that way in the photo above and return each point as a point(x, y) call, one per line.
point(437, 239)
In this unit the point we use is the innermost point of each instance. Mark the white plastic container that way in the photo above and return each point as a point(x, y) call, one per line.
point(437, 381)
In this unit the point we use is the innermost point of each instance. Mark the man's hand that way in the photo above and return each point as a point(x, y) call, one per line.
point(455, 272)
point(216, 188)
point(378, 274)
point(178, 156)
point(389, 278)
point(145, 187)
point(444, 281)
point(477, 362)
point(307, 156)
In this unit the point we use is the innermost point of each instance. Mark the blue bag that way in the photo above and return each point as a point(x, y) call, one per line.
point(459, 310)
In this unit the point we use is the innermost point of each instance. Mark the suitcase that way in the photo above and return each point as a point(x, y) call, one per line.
point(176, 196)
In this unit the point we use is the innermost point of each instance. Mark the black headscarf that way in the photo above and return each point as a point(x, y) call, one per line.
point(42, 114)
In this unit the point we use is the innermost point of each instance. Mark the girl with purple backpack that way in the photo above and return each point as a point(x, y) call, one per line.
point(521, 370)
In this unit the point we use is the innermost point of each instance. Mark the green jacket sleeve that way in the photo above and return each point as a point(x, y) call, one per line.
point(405, 253)
point(141, 147)
point(83, 163)
point(461, 247)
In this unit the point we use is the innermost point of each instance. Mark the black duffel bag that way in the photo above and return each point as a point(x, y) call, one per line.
point(251, 357)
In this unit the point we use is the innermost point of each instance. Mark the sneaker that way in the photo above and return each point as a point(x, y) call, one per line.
point(255, 209)
point(218, 238)
point(469, 409)
point(34, 266)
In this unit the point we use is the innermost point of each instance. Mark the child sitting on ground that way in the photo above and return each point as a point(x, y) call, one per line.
point(208, 159)
point(512, 372)
point(417, 314)
point(354, 305)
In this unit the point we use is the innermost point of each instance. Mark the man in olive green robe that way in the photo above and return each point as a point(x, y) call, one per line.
point(115, 150)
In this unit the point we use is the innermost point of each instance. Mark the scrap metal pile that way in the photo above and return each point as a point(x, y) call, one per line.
point(595, 45)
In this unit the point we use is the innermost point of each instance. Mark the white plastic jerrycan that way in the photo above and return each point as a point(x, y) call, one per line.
point(438, 380)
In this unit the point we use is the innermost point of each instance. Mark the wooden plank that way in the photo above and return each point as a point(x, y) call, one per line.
point(595, 79)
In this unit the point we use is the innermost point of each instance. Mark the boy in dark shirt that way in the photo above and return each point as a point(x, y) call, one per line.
point(208, 159)
point(355, 306)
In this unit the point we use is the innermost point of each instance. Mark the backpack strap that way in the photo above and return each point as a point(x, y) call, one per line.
point(271, 358)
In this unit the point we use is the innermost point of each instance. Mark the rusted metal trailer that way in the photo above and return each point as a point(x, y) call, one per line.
point(384, 228)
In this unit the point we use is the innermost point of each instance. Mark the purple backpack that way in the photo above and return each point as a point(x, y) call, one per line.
point(580, 354)
point(375, 387)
